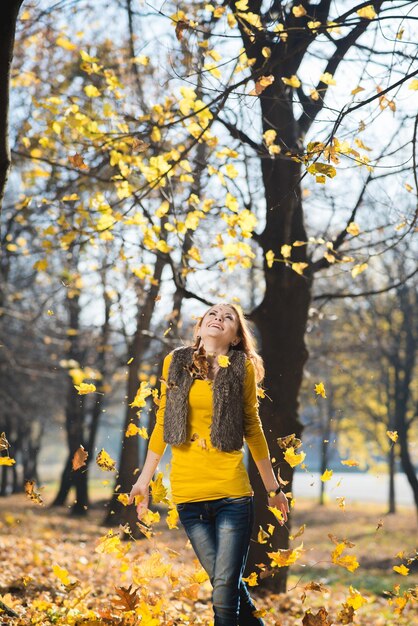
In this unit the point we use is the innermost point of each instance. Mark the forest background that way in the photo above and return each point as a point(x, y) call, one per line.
point(168, 157)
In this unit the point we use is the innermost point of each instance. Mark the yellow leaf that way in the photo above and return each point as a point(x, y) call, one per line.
point(172, 519)
point(276, 512)
point(63, 42)
point(353, 229)
point(158, 491)
point(262, 83)
point(251, 580)
point(6, 460)
point(347, 561)
point(393, 435)
point(293, 81)
point(282, 558)
point(266, 52)
point(367, 12)
point(299, 267)
point(322, 168)
point(63, 575)
point(357, 90)
point(85, 388)
point(105, 461)
point(358, 269)
point(223, 360)
point(150, 518)
point(401, 569)
point(269, 137)
point(413, 84)
point(91, 91)
point(123, 498)
point(241, 5)
point(320, 390)
point(143, 392)
point(270, 258)
point(133, 430)
point(355, 599)
point(140, 60)
point(299, 10)
point(286, 250)
point(262, 536)
point(327, 79)
point(292, 458)
point(326, 475)
point(350, 463)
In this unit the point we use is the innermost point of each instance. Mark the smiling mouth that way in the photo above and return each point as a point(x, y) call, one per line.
point(216, 326)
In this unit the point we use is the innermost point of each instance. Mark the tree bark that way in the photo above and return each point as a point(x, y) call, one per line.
point(8, 19)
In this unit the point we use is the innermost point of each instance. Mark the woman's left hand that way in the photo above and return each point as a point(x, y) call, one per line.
point(280, 502)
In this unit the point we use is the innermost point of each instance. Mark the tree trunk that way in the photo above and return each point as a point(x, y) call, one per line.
point(391, 494)
point(8, 19)
point(129, 456)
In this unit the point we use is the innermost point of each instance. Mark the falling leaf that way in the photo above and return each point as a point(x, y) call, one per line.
point(130, 360)
point(393, 435)
point(401, 569)
point(63, 575)
point(6, 461)
point(299, 532)
point(276, 512)
point(79, 458)
point(262, 536)
point(31, 493)
point(251, 580)
point(91, 91)
point(282, 558)
point(4, 444)
point(128, 598)
point(341, 502)
point(318, 619)
point(349, 562)
point(413, 84)
point(355, 599)
point(133, 430)
point(85, 388)
point(320, 389)
point(262, 83)
point(105, 462)
point(292, 458)
point(326, 476)
point(172, 519)
point(350, 463)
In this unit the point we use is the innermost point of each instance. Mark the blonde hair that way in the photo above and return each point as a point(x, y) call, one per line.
point(247, 342)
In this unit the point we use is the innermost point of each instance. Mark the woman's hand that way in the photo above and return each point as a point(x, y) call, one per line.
point(280, 502)
point(142, 490)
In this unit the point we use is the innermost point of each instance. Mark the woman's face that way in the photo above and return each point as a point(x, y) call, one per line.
point(220, 323)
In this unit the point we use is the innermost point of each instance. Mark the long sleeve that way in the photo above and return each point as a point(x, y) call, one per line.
point(156, 443)
point(253, 428)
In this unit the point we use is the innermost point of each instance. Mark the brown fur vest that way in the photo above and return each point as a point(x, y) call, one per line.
point(227, 428)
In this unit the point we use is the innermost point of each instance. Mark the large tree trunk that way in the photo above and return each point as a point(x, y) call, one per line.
point(74, 422)
point(8, 18)
point(129, 457)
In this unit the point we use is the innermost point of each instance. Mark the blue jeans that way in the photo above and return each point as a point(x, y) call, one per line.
point(220, 532)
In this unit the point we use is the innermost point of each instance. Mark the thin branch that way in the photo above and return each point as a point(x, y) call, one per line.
point(372, 292)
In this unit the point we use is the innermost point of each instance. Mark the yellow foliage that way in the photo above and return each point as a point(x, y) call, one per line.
point(292, 458)
point(85, 388)
point(282, 558)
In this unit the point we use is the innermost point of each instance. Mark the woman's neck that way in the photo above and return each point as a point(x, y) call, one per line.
point(212, 348)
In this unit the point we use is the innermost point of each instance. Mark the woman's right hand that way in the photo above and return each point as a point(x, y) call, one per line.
point(142, 490)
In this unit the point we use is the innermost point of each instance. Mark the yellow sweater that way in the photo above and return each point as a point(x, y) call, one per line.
point(198, 470)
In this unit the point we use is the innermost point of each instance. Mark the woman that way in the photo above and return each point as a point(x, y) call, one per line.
point(208, 406)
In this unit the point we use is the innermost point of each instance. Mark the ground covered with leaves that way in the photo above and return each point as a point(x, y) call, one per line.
point(61, 570)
